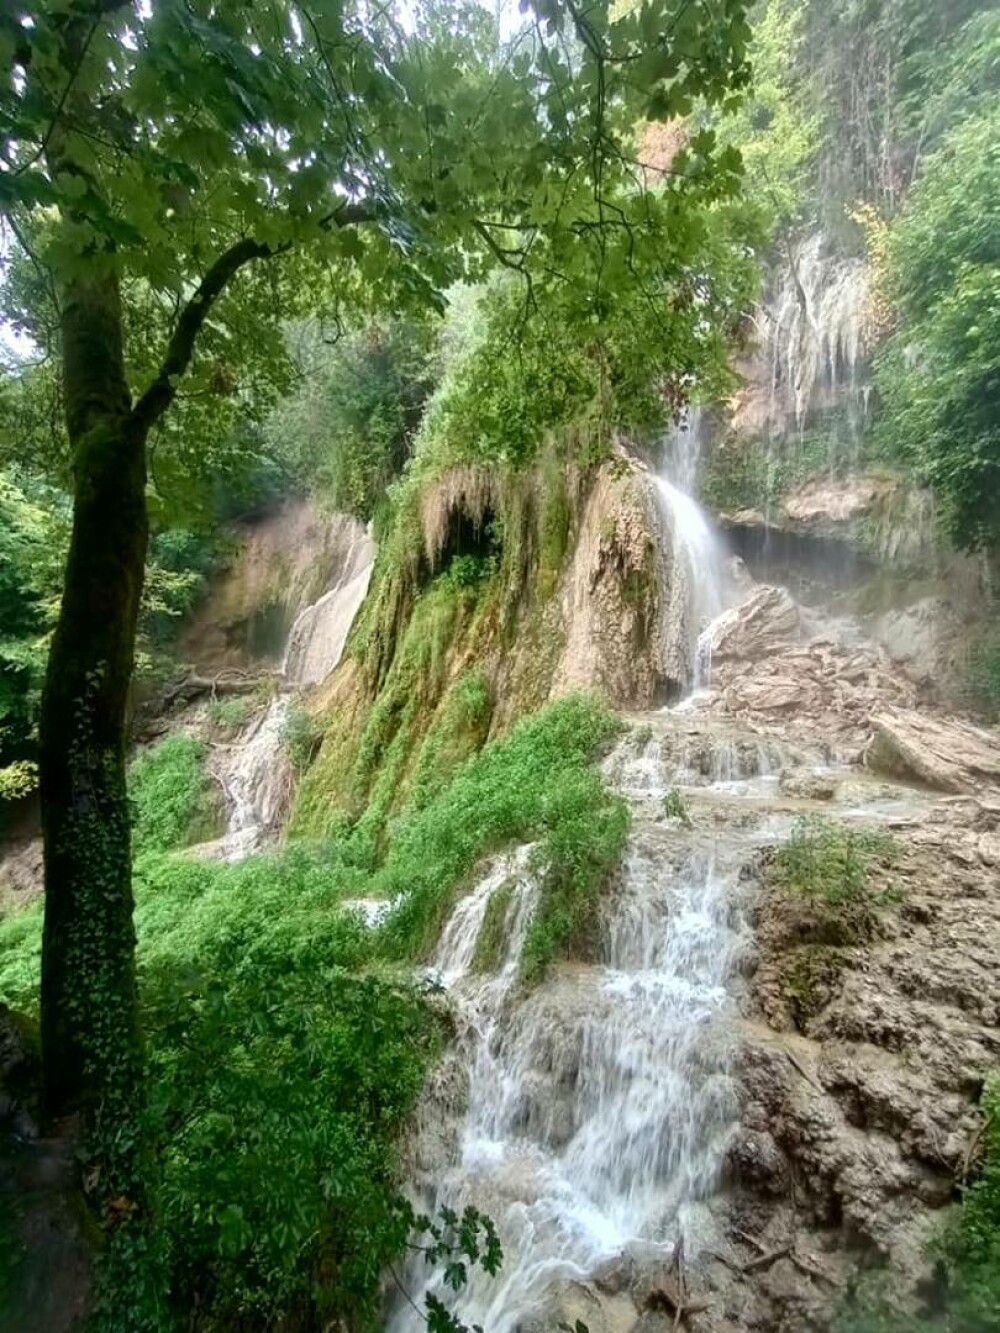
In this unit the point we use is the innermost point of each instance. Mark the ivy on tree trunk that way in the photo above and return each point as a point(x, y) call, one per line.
point(90, 1038)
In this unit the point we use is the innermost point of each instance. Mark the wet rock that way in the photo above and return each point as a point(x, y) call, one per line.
point(614, 1275)
point(808, 786)
point(754, 1158)
point(768, 620)
point(581, 1302)
point(609, 599)
point(946, 754)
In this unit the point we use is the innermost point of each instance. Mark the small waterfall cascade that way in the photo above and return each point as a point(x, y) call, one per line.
point(319, 632)
point(694, 570)
point(816, 326)
point(256, 779)
point(254, 772)
point(599, 1105)
point(816, 349)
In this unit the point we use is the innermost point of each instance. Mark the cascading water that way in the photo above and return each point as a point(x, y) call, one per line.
point(598, 1106)
point(694, 577)
point(254, 772)
point(816, 328)
point(256, 780)
point(316, 639)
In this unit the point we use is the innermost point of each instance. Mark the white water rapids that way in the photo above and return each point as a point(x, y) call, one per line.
point(598, 1106)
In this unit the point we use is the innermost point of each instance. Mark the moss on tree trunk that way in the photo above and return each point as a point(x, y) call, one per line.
point(90, 1038)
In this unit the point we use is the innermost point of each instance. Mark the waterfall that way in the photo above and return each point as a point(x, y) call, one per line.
point(257, 781)
point(694, 572)
point(599, 1105)
point(816, 327)
point(317, 637)
point(254, 772)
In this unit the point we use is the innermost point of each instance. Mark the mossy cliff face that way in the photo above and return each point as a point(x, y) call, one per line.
point(524, 586)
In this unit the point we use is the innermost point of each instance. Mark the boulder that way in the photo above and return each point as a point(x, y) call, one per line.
point(768, 620)
point(825, 504)
point(945, 754)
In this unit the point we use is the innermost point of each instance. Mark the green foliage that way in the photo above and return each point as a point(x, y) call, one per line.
point(533, 784)
point(492, 940)
point(585, 832)
point(171, 795)
point(177, 568)
point(746, 474)
point(458, 730)
point(348, 429)
point(454, 153)
point(284, 1055)
point(301, 738)
point(777, 125)
point(983, 674)
point(33, 533)
point(939, 375)
point(231, 711)
point(834, 868)
point(675, 807)
point(548, 362)
point(972, 1249)
point(278, 1119)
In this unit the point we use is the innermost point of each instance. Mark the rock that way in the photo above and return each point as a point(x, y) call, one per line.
point(614, 1275)
point(608, 601)
point(768, 620)
point(754, 1158)
point(580, 1302)
point(21, 870)
point(824, 505)
point(808, 786)
point(948, 755)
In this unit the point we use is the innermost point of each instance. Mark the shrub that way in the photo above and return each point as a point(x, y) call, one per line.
point(171, 795)
point(675, 807)
point(286, 1053)
point(533, 784)
point(831, 866)
point(301, 738)
point(231, 711)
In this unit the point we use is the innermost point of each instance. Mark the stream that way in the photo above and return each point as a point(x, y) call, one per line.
point(591, 1117)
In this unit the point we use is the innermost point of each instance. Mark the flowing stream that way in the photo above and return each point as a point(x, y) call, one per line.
point(597, 1107)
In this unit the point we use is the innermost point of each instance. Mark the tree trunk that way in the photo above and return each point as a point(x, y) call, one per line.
point(90, 1034)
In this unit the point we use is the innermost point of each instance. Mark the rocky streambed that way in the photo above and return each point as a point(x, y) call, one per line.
point(750, 1096)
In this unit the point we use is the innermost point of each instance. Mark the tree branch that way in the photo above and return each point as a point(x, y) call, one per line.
point(163, 390)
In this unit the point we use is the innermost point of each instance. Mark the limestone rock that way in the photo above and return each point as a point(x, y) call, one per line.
point(823, 505)
point(947, 755)
point(767, 621)
point(808, 786)
point(609, 596)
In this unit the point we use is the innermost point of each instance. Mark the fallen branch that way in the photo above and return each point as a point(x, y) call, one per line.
point(765, 1260)
point(670, 1302)
point(811, 1270)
